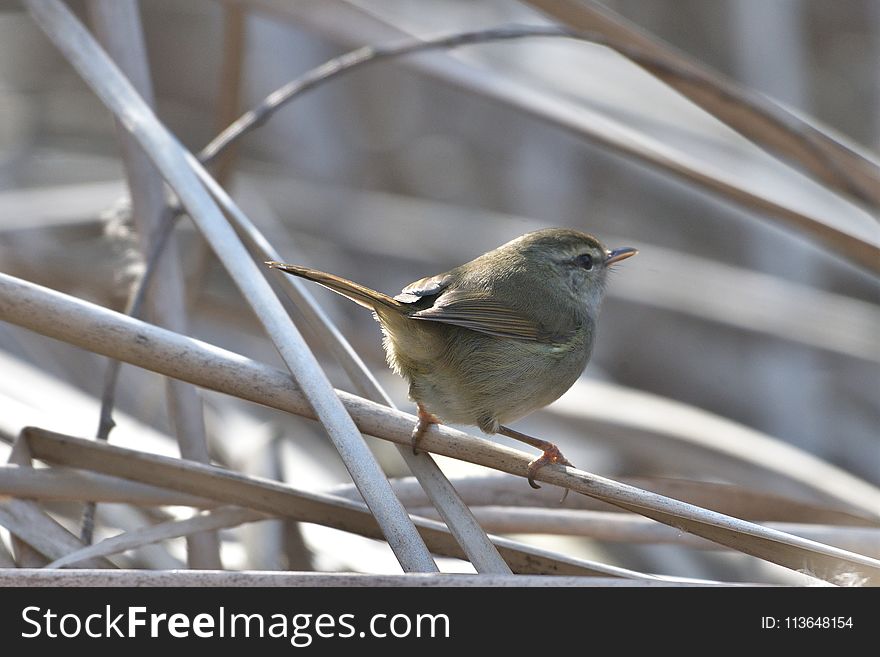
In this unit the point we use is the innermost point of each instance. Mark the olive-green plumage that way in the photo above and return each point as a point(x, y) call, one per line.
point(495, 338)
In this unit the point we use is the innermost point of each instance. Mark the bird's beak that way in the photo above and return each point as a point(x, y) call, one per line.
point(617, 255)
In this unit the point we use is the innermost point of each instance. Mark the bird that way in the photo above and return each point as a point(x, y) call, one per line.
point(492, 340)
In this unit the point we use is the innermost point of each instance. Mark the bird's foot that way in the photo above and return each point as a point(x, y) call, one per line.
point(551, 456)
point(426, 419)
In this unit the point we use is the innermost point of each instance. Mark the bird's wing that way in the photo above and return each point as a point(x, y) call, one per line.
point(424, 287)
point(483, 315)
point(462, 307)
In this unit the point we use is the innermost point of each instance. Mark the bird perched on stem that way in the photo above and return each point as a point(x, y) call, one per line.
point(496, 338)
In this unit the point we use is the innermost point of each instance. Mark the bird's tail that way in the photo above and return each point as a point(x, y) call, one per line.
point(360, 294)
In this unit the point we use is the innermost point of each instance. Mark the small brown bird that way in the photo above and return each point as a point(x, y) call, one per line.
point(496, 338)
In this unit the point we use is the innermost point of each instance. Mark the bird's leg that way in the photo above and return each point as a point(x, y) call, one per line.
point(426, 419)
point(551, 452)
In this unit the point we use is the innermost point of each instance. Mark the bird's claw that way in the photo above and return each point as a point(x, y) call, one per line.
point(551, 456)
point(426, 419)
point(417, 433)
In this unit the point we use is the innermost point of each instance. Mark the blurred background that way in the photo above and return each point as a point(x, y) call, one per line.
point(393, 172)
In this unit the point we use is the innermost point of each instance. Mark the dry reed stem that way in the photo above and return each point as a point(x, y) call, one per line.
point(107, 332)
point(84, 54)
point(855, 240)
point(757, 118)
point(280, 499)
point(118, 27)
point(201, 578)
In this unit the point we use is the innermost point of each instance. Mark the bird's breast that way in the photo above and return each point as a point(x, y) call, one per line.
point(466, 377)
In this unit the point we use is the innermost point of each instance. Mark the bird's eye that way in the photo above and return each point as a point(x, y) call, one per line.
point(584, 260)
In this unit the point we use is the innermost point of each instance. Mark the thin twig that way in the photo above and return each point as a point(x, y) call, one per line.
point(784, 121)
point(220, 518)
point(134, 308)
